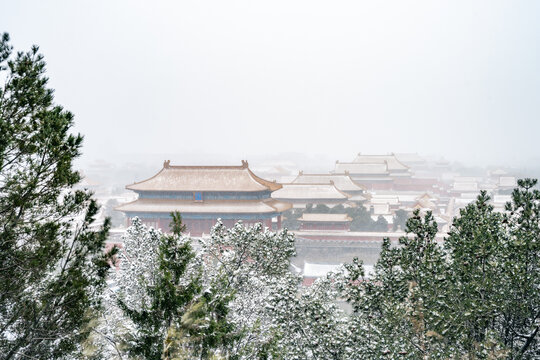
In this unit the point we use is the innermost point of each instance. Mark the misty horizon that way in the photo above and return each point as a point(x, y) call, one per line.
point(457, 80)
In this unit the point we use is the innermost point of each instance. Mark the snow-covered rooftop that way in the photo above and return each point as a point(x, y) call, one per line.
point(205, 178)
point(342, 181)
point(296, 191)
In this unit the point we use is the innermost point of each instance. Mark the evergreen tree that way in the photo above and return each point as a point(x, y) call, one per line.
point(52, 259)
point(400, 219)
point(520, 324)
point(475, 296)
point(381, 224)
point(137, 269)
point(248, 261)
point(361, 218)
point(472, 298)
point(163, 291)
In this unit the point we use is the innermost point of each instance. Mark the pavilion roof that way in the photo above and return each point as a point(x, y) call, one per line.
point(310, 217)
point(342, 181)
point(297, 191)
point(359, 168)
point(358, 197)
point(205, 178)
point(410, 158)
point(208, 207)
point(390, 160)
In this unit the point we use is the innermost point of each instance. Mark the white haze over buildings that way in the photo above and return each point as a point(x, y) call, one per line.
point(242, 79)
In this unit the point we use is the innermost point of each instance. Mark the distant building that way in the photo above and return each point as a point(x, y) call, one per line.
point(343, 182)
point(310, 221)
point(202, 194)
point(300, 195)
point(376, 172)
point(412, 160)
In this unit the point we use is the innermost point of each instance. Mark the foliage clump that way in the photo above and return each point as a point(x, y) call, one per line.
point(52, 260)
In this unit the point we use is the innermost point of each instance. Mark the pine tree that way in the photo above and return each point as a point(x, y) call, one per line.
point(520, 325)
point(163, 289)
point(247, 261)
point(475, 296)
point(52, 260)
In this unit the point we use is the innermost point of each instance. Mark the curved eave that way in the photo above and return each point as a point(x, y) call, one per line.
point(254, 184)
point(271, 185)
point(134, 186)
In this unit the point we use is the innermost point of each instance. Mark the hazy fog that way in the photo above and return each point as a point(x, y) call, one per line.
point(459, 79)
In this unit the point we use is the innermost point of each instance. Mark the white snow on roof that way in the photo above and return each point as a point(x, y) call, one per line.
point(309, 191)
point(359, 168)
point(391, 161)
point(342, 181)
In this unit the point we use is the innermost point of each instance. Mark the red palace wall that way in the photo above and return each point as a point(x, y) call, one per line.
point(196, 227)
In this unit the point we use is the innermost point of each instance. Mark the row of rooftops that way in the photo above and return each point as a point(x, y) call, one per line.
point(242, 179)
point(373, 165)
point(336, 187)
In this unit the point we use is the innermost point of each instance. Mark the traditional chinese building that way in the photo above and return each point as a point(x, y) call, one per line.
point(203, 194)
point(300, 195)
point(376, 172)
point(342, 182)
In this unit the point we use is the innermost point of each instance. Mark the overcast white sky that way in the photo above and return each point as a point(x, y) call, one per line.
point(455, 78)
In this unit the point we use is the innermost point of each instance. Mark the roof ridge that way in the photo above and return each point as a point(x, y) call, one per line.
point(251, 180)
point(322, 183)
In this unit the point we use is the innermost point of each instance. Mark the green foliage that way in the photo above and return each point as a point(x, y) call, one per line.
point(400, 219)
point(381, 224)
point(169, 295)
point(361, 218)
point(52, 257)
point(475, 296)
point(118, 218)
point(290, 219)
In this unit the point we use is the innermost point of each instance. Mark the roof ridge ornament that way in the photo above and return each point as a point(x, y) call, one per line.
point(245, 164)
point(167, 164)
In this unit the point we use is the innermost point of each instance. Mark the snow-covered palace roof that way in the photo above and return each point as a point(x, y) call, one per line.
point(391, 161)
point(298, 191)
point(342, 181)
point(205, 178)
